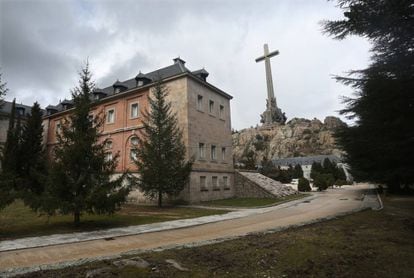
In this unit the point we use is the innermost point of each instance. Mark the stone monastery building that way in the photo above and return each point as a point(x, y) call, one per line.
point(203, 113)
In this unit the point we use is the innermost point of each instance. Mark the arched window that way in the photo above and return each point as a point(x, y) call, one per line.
point(134, 141)
point(108, 144)
point(133, 151)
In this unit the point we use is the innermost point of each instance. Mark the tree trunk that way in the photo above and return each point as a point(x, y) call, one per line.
point(159, 199)
point(76, 218)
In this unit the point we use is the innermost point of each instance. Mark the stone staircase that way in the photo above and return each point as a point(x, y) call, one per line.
point(253, 183)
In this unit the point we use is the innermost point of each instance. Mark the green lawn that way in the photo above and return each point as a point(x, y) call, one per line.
point(252, 202)
point(365, 244)
point(18, 221)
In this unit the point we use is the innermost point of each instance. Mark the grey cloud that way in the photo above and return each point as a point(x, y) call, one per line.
point(44, 43)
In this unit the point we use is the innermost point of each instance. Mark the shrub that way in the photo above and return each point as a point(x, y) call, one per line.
point(303, 185)
point(320, 182)
point(340, 182)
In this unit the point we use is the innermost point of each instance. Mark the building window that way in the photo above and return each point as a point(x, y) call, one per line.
point(108, 144)
point(221, 112)
point(110, 116)
point(225, 183)
point(211, 107)
point(140, 83)
point(108, 156)
point(213, 152)
point(201, 154)
point(203, 186)
point(223, 153)
point(20, 111)
point(90, 118)
point(214, 182)
point(200, 103)
point(134, 110)
point(58, 127)
point(134, 141)
point(133, 155)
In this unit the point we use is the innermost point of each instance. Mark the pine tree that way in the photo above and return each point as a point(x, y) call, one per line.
point(379, 145)
point(303, 185)
point(10, 160)
point(162, 167)
point(297, 172)
point(33, 159)
point(316, 169)
point(80, 176)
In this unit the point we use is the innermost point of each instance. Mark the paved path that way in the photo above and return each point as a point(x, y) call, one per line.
point(319, 206)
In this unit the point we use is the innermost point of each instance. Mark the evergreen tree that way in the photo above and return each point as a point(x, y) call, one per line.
point(328, 166)
point(80, 175)
point(3, 91)
point(10, 160)
point(303, 185)
point(316, 169)
point(297, 172)
point(379, 145)
point(161, 161)
point(33, 159)
point(340, 174)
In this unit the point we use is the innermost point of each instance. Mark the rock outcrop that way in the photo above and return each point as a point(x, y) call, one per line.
point(298, 137)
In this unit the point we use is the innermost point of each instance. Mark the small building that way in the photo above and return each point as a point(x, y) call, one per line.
point(306, 163)
point(21, 111)
point(203, 114)
point(5, 112)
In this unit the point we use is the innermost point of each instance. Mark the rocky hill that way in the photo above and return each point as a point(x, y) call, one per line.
point(298, 137)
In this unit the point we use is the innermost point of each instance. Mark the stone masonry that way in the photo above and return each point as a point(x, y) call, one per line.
point(256, 185)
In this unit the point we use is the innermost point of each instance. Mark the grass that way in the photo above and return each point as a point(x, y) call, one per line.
point(253, 202)
point(365, 244)
point(18, 221)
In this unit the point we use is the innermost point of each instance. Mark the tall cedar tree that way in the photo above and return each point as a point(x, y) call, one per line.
point(380, 144)
point(80, 176)
point(162, 166)
point(33, 159)
point(10, 160)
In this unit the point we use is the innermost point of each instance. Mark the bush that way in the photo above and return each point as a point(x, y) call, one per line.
point(303, 185)
point(340, 183)
point(320, 182)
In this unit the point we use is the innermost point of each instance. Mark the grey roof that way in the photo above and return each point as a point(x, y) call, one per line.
point(119, 84)
point(304, 160)
point(67, 101)
point(7, 106)
point(175, 69)
point(162, 73)
point(140, 75)
point(201, 73)
point(98, 91)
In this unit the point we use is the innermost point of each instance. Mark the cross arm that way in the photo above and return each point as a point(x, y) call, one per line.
point(271, 54)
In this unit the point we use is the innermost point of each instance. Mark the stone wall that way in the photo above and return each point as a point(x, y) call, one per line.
point(245, 188)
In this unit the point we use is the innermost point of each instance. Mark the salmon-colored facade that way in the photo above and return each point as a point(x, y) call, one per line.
point(203, 113)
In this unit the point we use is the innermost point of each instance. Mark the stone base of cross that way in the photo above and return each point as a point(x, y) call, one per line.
point(272, 114)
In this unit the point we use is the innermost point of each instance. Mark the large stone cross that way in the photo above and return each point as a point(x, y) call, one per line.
point(266, 57)
point(273, 114)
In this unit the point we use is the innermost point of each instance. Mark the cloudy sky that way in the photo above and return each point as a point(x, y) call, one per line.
point(44, 43)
